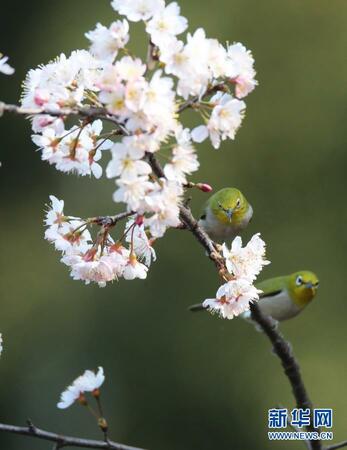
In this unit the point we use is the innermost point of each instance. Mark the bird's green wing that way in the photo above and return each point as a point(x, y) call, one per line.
point(272, 286)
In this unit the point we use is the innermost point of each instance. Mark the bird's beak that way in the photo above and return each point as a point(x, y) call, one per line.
point(229, 212)
point(309, 285)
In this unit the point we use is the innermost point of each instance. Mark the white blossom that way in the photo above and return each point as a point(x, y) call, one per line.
point(55, 214)
point(105, 42)
point(132, 191)
point(164, 201)
point(166, 23)
point(63, 81)
point(69, 234)
point(137, 113)
point(245, 262)
point(243, 69)
point(225, 120)
point(184, 158)
point(94, 266)
point(174, 57)
point(127, 162)
point(75, 150)
point(233, 298)
point(5, 68)
point(99, 270)
point(130, 69)
point(88, 382)
point(142, 246)
point(134, 269)
point(136, 10)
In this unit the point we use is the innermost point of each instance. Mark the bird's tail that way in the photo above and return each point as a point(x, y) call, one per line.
point(197, 307)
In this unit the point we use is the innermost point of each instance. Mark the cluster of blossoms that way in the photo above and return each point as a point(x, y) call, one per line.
point(243, 265)
point(88, 382)
point(103, 259)
point(5, 68)
point(131, 108)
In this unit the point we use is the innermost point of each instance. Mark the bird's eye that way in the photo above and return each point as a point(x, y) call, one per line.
point(298, 280)
point(238, 203)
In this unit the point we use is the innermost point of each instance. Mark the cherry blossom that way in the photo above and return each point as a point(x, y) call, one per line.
point(136, 107)
point(5, 68)
point(88, 382)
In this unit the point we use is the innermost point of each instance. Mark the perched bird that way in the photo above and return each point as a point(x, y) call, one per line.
point(283, 297)
point(226, 213)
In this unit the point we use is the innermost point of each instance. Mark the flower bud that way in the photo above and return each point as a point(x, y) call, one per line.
point(102, 423)
point(204, 187)
point(82, 400)
point(96, 393)
point(139, 220)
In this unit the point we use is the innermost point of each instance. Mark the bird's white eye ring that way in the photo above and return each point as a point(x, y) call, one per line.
point(238, 203)
point(298, 280)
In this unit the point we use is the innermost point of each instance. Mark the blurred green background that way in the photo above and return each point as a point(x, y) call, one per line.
point(177, 380)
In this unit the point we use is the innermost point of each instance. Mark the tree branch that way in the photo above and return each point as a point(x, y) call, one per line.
point(64, 441)
point(88, 112)
point(110, 221)
point(189, 221)
point(290, 365)
point(280, 346)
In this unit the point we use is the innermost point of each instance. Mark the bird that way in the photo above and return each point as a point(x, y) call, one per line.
point(226, 214)
point(283, 297)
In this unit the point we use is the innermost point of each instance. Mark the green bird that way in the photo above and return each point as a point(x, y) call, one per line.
point(226, 214)
point(283, 297)
point(287, 296)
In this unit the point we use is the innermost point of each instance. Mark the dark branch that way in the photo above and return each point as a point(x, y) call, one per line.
point(87, 112)
point(290, 365)
point(280, 346)
point(189, 221)
point(192, 225)
point(64, 441)
point(110, 221)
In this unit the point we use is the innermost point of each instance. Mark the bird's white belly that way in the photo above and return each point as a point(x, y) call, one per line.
point(219, 230)
point(279, 307)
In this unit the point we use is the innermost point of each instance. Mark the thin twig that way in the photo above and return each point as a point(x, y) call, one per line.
point(64, 441)
point(90, 112)
point(110, 221)
point(193, 101)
